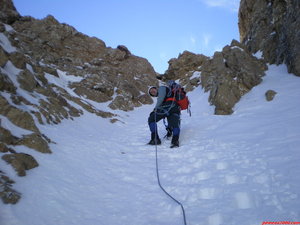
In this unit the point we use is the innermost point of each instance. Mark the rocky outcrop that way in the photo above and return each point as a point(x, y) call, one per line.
point(272, 27)
point(105, 72)
point(8, 12)
point(7, 193)
point(227, 76)
point(20, 162)
point(270, 94)
point(180, 67)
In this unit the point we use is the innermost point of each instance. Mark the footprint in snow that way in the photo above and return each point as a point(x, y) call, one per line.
point(232, 179)
point(243, 200)
point(211, 155)
point(207, 193)
point(221, 165)
point(215, 219)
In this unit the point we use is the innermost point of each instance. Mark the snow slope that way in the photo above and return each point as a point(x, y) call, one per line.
point(238, 169)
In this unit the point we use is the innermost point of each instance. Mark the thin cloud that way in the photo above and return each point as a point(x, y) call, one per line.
point(188, 42)
point(206, 39)
point(232, 5)
point(193, 40)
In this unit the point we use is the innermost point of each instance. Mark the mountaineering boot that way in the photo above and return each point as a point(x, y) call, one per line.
point(154, 140)
point(175, 141)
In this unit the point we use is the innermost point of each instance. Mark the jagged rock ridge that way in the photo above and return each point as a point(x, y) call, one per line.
point(227, 76)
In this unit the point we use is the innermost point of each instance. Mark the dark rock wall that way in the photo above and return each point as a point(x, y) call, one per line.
point(272, 27)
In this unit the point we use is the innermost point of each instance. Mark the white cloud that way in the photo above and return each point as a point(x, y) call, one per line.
point(193, 40)
point(206, 39)
point(188, 42)
point(228, 4)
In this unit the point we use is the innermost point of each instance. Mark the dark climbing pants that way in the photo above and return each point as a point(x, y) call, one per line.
point(173, 118)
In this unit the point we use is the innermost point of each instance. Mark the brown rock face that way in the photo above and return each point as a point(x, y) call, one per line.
point(8, 12)
point(103, 70)
point(6, 84)
point(186, 62)
point(270, 94)
point(272, 27)
point(7, 194)
point(233, 73)
point(20, 162)
point(228, 75)
point(3, 57)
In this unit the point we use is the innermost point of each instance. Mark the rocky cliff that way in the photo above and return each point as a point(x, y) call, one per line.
point(272, 27)
point(50, 72)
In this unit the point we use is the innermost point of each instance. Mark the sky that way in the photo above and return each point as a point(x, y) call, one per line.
point(157, 30)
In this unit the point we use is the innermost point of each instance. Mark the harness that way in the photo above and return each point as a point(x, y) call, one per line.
point(170, 99)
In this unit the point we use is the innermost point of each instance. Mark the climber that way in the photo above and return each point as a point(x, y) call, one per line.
point(166, 107)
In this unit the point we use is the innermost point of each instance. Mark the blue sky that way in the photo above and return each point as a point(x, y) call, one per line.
point(157, 30)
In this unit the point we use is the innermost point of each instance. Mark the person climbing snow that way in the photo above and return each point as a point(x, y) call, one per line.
point(166, 107)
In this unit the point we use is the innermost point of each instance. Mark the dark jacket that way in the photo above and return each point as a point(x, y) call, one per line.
point(163, 105)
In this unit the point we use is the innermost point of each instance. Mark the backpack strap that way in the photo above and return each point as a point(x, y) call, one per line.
point(170, 99)
point(171, 95)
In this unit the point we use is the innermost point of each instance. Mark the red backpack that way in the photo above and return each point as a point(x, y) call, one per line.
point(178, 95)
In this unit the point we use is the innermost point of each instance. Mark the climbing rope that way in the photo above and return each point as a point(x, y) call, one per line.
point(158, 180)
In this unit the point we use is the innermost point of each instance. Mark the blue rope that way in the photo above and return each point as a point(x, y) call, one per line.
point(158, 180)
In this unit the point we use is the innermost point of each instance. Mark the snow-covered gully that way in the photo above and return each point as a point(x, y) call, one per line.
point(237, 169)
